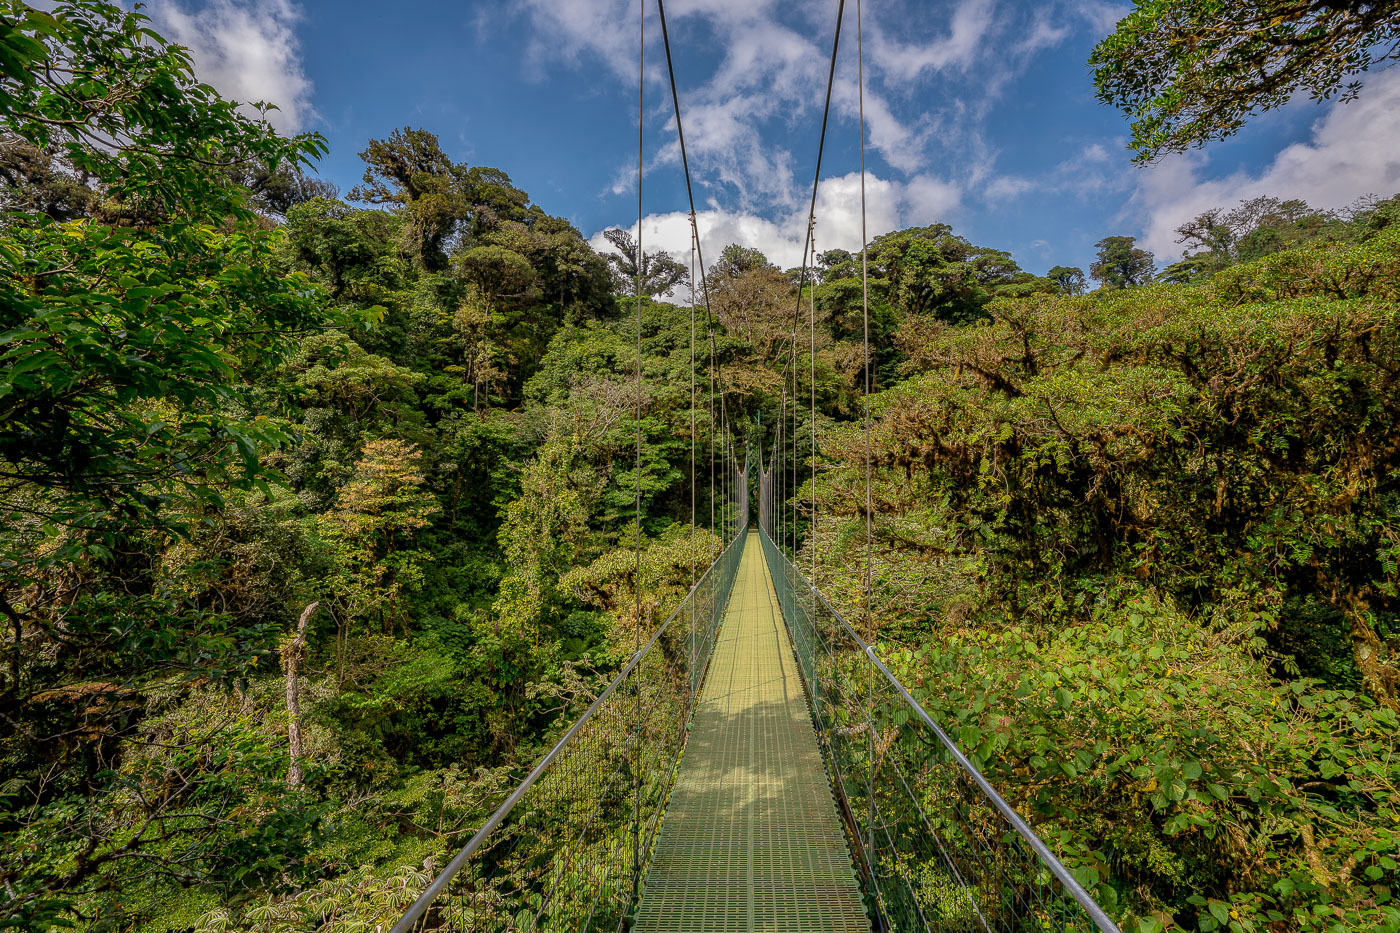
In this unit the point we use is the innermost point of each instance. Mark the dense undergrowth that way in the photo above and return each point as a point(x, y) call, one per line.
point(1139, 545)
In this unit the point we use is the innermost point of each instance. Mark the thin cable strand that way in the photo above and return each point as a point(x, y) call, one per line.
point(812, 380)
point(641, 259)
point(791, 362)
point(865, 319)
point(693, 244)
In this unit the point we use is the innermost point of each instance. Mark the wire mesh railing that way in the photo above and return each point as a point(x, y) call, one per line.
point(568, 848)
point(937, 846)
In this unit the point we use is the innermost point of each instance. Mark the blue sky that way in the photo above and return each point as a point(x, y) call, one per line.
point(980, 113)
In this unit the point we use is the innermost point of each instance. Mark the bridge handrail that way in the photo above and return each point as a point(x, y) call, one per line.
point(425, 900)
point(1028, 835)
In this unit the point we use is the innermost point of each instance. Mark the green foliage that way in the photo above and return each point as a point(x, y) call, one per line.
point(1144, 541)
point(1259, 227)
point(1168, 765)
point(92, 81)
point(1155, 527)
point(931, 272)
point(372, 526)
point(1187, 72)
point(130, 347)
point(1121, 264)
point(409, 169)
point(660, 273)
point(346, 250)
point(1069, 280)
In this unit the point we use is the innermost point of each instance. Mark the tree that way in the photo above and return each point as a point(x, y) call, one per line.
point(492, 198)
point(38, 180)
point(1184, 463)
point(276, 191)
point(1256, 228)
point(934, 272)
point(756, 305)
point(661, 274)
point(735, 260)
point(291, 653)
point(493, 274)
point(373, 524)
point(1188, 72)
point(143, 130)
point(1069, 280)
point(838, 264)
point(349, 250)
point(1188, 270)
point(410, 171)
point(131, 347)
point(1121, 264)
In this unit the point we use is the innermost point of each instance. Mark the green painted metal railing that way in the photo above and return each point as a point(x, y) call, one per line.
point(568, 848)
point(937, 846)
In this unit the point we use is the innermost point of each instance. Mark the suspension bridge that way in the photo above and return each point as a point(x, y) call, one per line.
point(755, 765)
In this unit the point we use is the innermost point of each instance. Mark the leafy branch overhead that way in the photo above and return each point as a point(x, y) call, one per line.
point(318, 517)
point(1189, 72)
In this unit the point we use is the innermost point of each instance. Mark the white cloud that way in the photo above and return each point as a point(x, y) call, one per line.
point(1100, 16)
point(890, 205)
point(928, 199)
point(577, 27)
point(766, 72)
point(971, 23)
point(1354, 150)
point(933, 78)
point(1094, 152)
point(247, 49)
point(1006, 187)
point(1042, 35)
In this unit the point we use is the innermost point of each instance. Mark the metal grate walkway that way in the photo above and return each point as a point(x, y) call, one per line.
point(751, 839)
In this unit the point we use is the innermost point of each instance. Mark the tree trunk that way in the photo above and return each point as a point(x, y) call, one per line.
point(1381, 680)
point(291, 661)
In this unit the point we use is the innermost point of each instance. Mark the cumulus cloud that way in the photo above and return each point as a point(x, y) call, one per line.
point(1006, 187)
point(934, 75)
point(247, 49)
point(890, 205)
point(1353, 150)
point(769, 74)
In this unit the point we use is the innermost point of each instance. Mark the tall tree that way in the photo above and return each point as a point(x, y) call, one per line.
point(1069, 280)
point(410, 171)
point(1121, 263)
point(756, 305)
point(736, 259)
point(660, 272)
point(933, 271)
point(1188, 72)
point(1257, 227)
point(373, 524)
point(129, 360)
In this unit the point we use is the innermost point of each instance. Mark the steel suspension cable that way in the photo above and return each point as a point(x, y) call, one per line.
point(865, 322)
point(795, 432)
point(811, 221)
point(692, 453)
point(641, 260)
point(812, 380)
point(695, 238)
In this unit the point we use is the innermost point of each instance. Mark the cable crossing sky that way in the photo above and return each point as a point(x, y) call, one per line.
point(754, 765)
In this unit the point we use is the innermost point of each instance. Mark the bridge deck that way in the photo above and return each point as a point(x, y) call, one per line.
point(752, 840)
